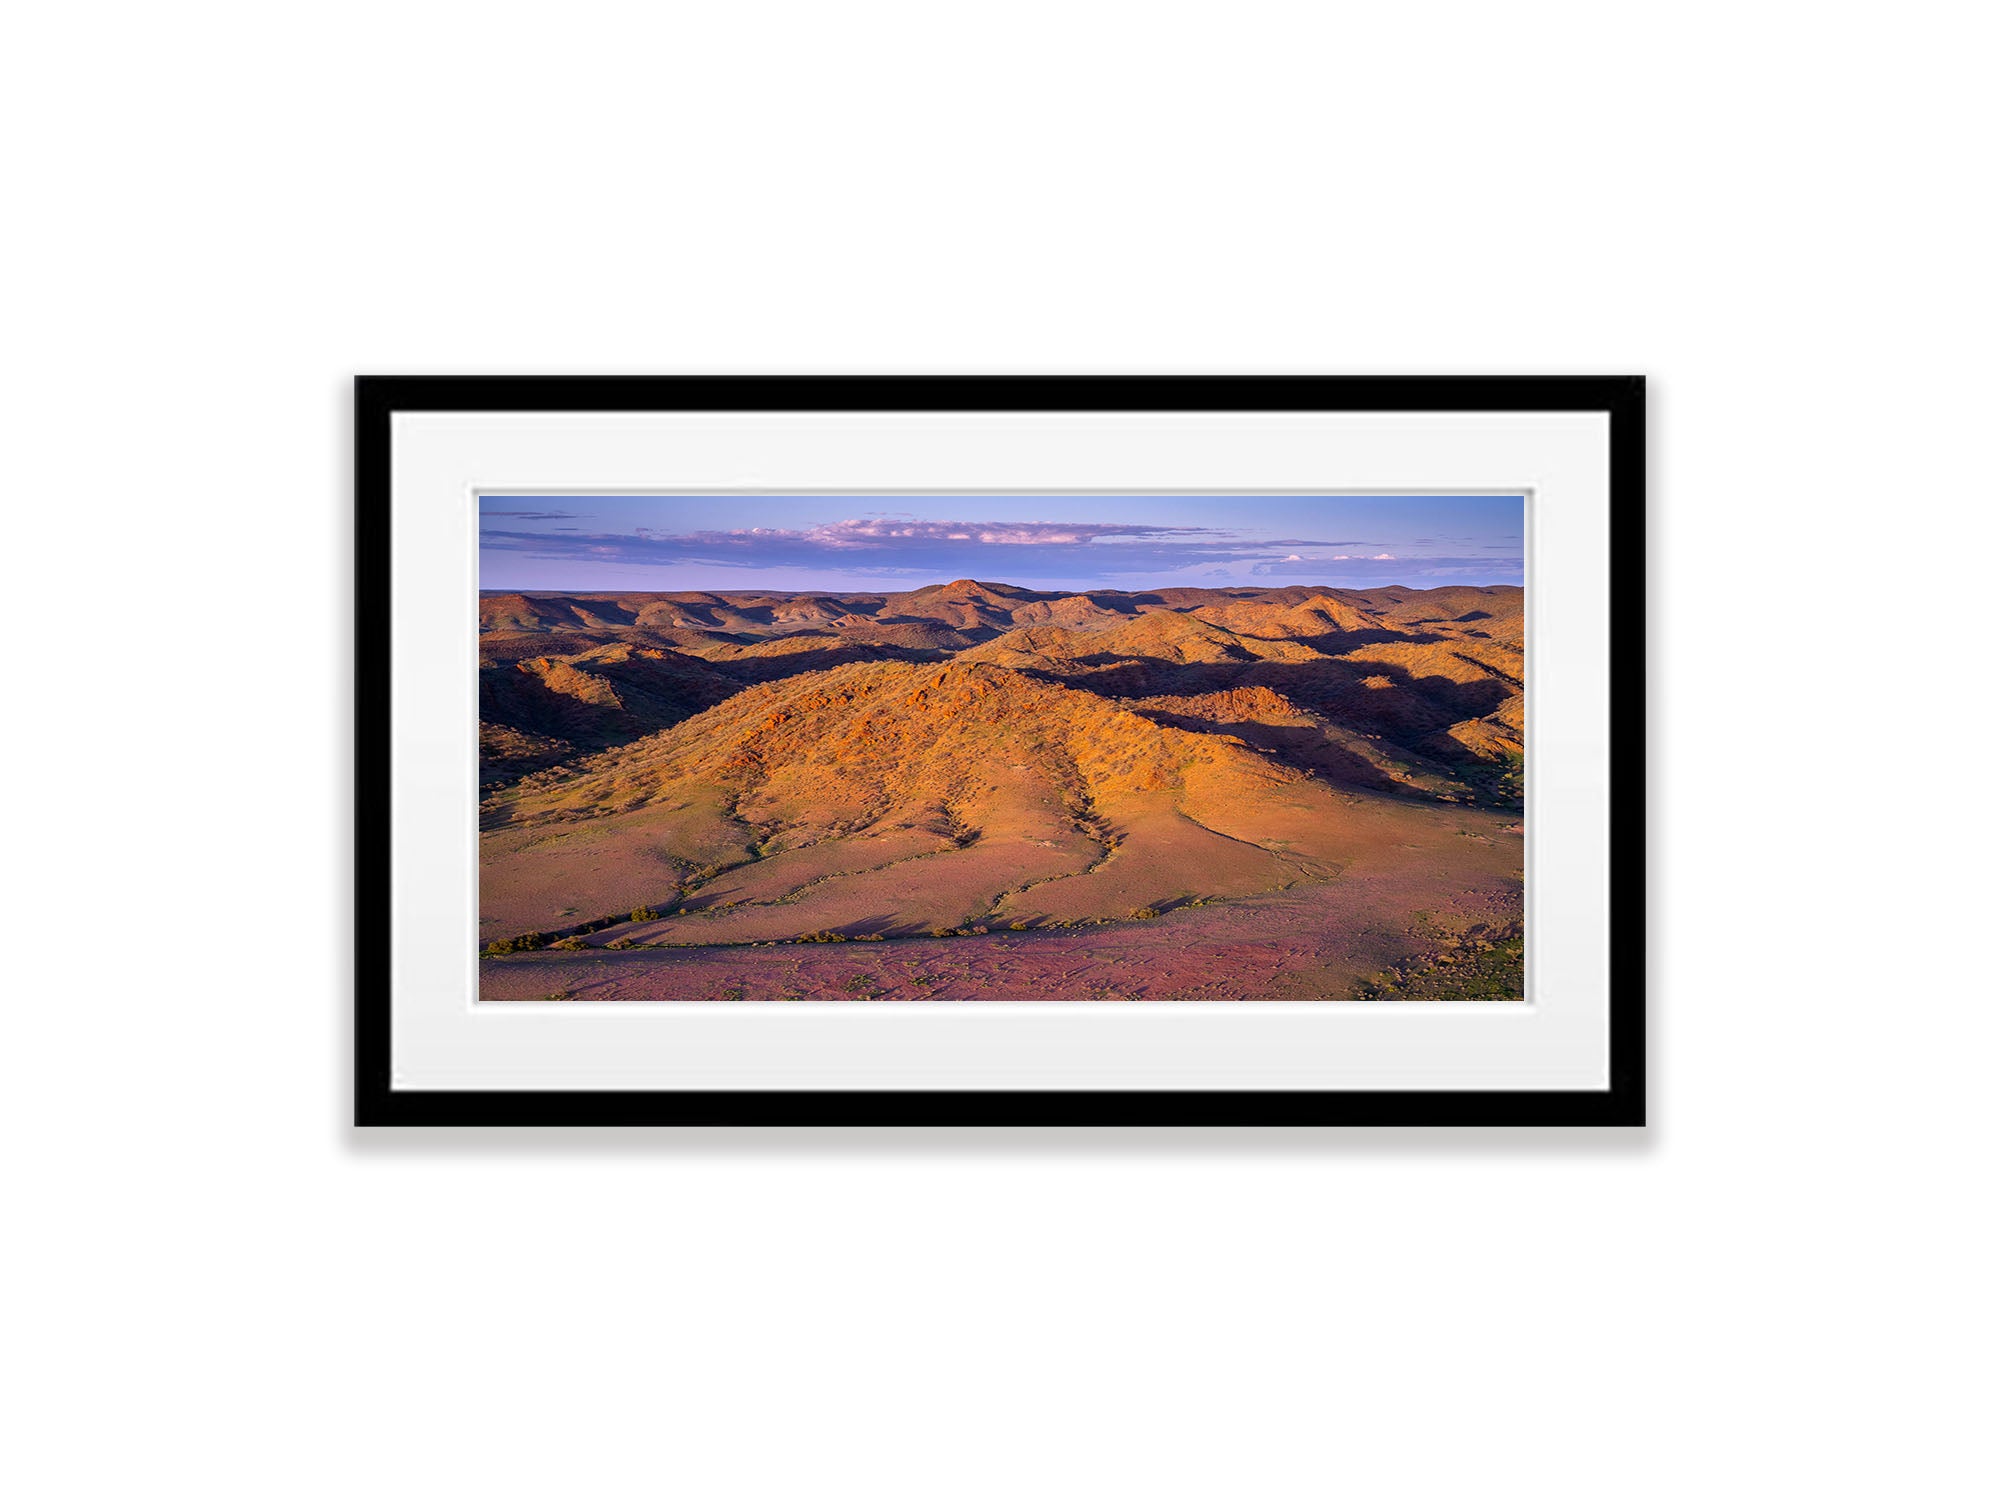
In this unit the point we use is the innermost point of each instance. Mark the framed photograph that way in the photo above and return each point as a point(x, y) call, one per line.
point(1108, 751)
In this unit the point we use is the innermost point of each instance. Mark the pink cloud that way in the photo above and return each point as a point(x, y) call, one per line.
point(874, 531)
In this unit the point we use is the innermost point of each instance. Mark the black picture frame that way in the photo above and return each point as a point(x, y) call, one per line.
point(378, 398)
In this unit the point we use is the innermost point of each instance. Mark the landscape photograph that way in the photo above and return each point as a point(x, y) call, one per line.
point(996, 747)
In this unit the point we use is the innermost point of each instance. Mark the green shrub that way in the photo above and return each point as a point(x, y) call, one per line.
point(644, 914)
point(1144, 913)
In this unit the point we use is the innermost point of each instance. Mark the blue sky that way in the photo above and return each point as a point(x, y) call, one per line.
point(861, 543)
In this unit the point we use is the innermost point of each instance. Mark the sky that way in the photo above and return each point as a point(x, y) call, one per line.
point(876, 544)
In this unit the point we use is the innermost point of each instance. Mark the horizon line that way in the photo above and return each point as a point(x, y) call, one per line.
point(1331, 588)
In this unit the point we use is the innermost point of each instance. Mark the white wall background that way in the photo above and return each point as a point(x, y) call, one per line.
point(219, 213)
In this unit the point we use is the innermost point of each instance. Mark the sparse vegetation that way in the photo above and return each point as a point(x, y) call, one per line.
point(1482, 964)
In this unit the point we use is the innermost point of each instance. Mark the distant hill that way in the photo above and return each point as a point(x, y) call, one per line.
point(1431, 676)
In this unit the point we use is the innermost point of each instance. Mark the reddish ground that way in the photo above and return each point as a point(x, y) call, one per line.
point(1356, 937)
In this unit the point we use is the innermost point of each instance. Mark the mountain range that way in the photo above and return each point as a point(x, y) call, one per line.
point(998, 781)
